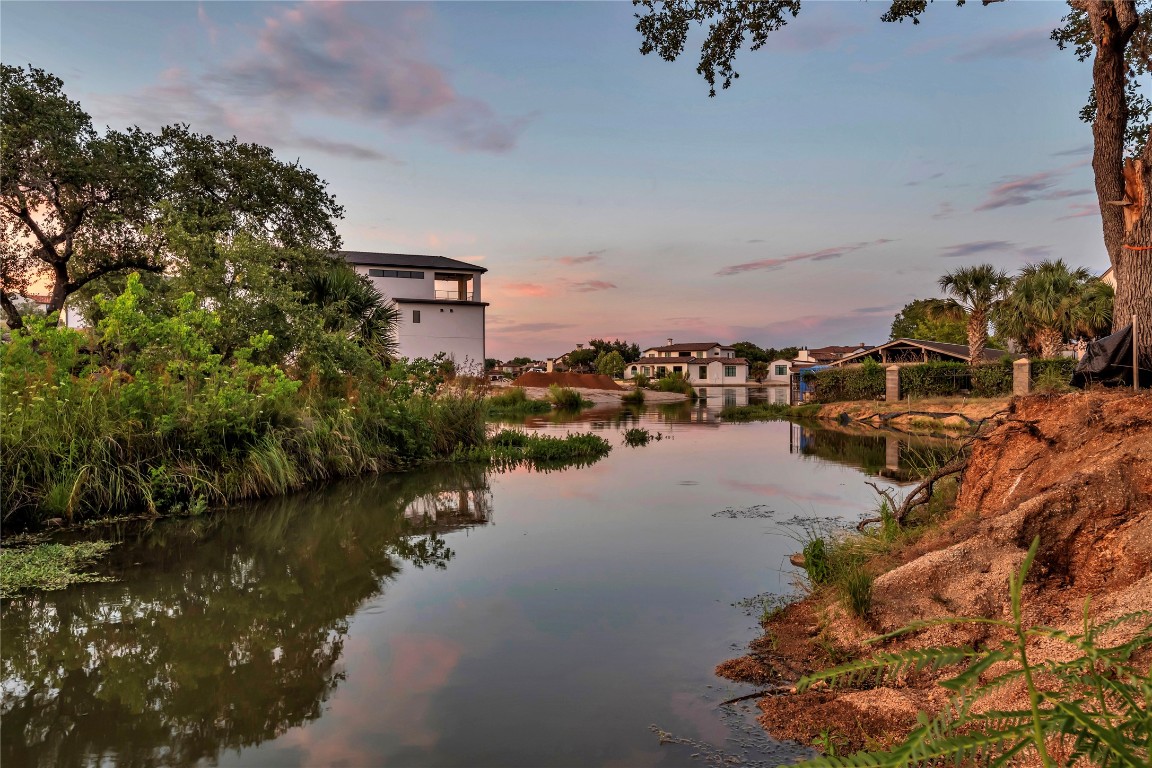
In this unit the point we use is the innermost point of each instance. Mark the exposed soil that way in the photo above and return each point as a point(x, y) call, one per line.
point(1075, 470)
point(573, 380)
point(914, 415)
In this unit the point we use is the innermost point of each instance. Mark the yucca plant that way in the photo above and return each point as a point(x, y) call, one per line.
point(1096, 706)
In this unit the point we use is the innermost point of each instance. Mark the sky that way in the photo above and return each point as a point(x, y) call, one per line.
point(852, 163)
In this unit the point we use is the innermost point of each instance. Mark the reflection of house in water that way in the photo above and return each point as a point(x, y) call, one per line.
point(469, 503)
point(898, 456)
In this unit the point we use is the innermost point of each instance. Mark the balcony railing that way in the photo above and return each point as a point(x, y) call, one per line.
point(456, 295)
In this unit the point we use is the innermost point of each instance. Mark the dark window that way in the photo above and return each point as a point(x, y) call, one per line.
point(395, 273)
point(781, 370)
point(729, 370)
point(677, 369)
point(415, 315)
point(703, 371)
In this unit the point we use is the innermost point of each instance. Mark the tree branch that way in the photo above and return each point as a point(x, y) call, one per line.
point(104, 269)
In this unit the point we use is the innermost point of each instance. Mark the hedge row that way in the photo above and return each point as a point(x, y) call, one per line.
point(936, 379)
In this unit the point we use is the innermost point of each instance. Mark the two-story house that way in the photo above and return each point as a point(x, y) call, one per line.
point(439, 301)
point(701, 363)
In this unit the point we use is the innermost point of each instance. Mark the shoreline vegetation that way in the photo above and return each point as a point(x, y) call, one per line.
point(936, 633)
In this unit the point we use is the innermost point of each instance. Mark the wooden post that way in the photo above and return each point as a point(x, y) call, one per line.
point(1022, 377)
point(1135, 357)
point(892, 383)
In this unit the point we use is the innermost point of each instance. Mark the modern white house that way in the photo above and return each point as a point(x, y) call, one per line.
point(700, 363)
point(439, 301)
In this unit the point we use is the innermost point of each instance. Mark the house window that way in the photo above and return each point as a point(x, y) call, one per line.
point(415, 315)
point(633, 370)
point(677, 369)
point(781, 370)
point(703, 371)
point(645, 370)
point(395, 273)
point(661, 370)
point(729, 370)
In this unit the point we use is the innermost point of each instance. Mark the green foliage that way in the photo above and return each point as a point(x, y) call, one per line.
point(641, 380)
point(48, 566)
point(610, 364)
point(991, 380)
point(1051, 302)
point(520, 361)
point(1094, 700)
point(628, 352)
point(816, 561)
point(515, 402)
point(634, 397)
point(566, 398)
point(850, 382)
point(935, 379)
point(754, 354)
point(920, 319)
point(144, 412)
point(673, 382)
point(638, 436)
point(582, 359)
point(768, 412)
point(1054, 375)
point(510, 447)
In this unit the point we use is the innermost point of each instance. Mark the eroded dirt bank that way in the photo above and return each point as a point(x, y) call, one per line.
point(1075, 470)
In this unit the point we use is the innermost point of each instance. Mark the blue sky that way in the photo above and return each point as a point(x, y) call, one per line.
point(851, 164)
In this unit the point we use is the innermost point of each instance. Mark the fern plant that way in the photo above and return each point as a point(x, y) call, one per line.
point(1097, 707)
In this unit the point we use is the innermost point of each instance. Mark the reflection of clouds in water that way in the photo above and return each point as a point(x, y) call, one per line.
point(793, 493)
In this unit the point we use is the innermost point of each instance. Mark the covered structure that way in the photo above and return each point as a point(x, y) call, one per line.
point(918, 351)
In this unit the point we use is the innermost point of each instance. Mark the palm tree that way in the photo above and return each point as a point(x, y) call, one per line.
point(1051, 302)
point(974, 293)
point(352, 306)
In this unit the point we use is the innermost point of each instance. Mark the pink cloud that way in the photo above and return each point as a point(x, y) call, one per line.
point(1022, 190)
point(821, 255)
point(588, 286)
point(526, 289)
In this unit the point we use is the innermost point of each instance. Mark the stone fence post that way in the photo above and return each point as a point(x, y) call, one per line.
point(892, 383)
point(1021, 377)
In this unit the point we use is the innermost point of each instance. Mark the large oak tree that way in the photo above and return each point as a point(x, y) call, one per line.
point(1116, 35)
point(78, 205)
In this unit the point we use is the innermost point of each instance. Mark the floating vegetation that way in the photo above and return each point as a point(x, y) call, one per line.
point(757, 511)
point(49, 566)
point(639, 436)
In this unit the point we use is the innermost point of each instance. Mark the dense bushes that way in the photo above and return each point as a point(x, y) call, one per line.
point(144, 412)
point(853, 382)
point(515, 402)
point(673, 382)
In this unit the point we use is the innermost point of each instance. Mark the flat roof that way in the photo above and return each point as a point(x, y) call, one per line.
point(370, 259)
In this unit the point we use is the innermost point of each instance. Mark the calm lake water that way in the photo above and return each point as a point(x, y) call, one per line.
point(451, 617)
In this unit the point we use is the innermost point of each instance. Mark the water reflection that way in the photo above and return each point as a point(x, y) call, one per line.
point(896, 455)
point(234, 637)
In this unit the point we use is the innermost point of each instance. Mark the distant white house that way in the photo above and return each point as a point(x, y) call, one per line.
point(69, 316)
point(439, 301)
point(700, 363)
point(779, 372)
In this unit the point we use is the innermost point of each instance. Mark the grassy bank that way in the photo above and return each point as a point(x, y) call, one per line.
point(145, 412)
point(514, 403)
point(512, 447)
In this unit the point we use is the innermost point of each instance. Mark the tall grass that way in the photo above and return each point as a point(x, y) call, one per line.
point(566, 398)
point(634, 397)
point(515, 402)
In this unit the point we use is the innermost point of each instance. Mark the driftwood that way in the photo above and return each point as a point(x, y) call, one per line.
point(921, 494)
point(775, 690)
point(886, 417)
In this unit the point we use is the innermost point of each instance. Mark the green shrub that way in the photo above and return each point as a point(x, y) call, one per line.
point(941, 378)
point(511, 447)
point(641, 380)
point(816, 561)
point(635, 397)
point(566, 398)
point(854, 582)
point(851, 382)
point(1052, 375)
point(673, 382)
point(515, 402)
point(991, 380)
point(638, 436)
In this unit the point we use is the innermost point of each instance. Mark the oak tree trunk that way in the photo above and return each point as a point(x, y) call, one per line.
point(1121, 187)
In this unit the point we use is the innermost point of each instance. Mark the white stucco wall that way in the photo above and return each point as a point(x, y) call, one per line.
point(457, 331)
point(772, 378)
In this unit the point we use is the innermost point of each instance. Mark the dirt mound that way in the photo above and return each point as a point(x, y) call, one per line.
point(1074, 470)
point(573, 380)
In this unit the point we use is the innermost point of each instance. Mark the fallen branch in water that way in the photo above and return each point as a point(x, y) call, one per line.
point(773, 691)
point(921, 494)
